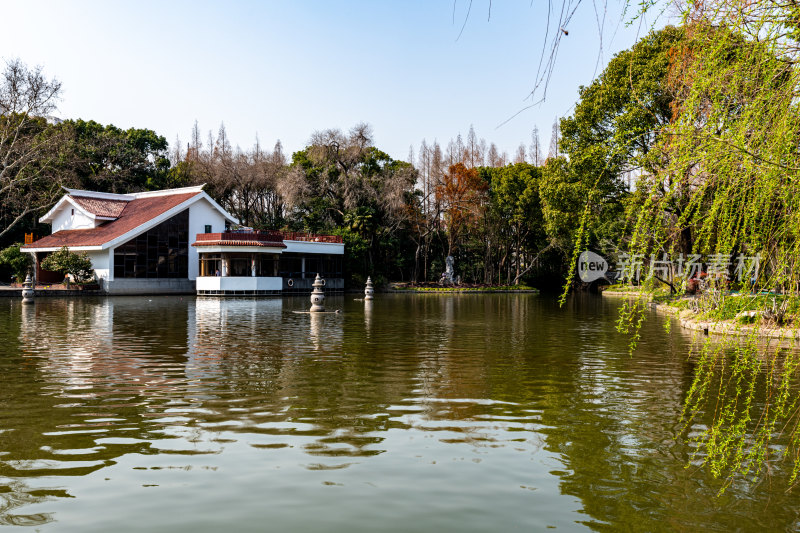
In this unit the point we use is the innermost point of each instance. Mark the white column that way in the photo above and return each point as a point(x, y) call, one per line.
point(35, 258)
point(111, 264)
point(303, 267)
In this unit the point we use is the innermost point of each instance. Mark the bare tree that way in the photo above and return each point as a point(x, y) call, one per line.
point(482, 150)
point(28, 147)
point(553, 152)
point(453, 153)
point(196, 144)
point(176, 155)
point(493, 158)
point(293, 187)
point(341, 155)
point(266, 171)
point(472, 148)
point(246, 183)
point(520, 156)
point(535, 151)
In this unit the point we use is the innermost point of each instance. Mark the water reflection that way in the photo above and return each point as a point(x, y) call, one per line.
point(411, 412)
point(368, 316)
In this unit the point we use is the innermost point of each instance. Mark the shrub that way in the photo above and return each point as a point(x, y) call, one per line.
point(18, 261)
point(79, 266)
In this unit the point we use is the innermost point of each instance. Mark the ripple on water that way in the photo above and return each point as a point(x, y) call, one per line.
point(421, 413)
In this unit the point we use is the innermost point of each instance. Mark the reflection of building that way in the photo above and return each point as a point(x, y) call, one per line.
point(85, 340)
point(179, 240)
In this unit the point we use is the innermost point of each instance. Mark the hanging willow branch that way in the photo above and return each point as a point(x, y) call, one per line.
point(723, 179)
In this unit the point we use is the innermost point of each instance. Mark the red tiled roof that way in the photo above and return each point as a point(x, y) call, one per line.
point(134, 214)
point(101, 207)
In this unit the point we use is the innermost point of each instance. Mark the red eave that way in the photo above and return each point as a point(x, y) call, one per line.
point(134, 214)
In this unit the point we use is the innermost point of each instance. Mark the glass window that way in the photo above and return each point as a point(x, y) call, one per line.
point(266, 265)
point(239, 266)
point(328, 266)
point(210, 264)
point(290, 265)
point(161, 252)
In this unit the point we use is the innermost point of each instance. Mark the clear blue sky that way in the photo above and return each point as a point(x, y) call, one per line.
point(285, 69)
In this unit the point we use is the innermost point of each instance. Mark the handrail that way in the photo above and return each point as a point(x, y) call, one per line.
point(269, 236)
point(310, 237)
point(261, 236)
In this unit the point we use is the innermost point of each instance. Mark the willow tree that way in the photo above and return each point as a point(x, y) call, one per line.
point(723, 182)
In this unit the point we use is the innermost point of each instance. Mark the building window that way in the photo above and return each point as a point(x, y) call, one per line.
point(208, 228)
point(161, 252)
point(266, 265)
point(239, 266)
point(210, 264)
point(290, 265)
point(328, 266)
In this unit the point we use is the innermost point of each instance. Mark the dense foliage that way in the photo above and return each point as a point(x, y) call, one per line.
point(17, 261)
point(720, 181)
point(77, 265)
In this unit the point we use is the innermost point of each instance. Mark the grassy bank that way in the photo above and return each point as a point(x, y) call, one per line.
point(476, 289)
point(726, 312)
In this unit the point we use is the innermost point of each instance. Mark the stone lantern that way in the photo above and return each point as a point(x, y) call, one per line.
point(368, 290)
point(317, 297)
point(27, 290)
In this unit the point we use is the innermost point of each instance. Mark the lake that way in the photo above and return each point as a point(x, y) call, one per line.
point(499, 412)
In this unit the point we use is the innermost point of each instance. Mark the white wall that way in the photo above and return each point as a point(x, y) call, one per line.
point(219, 283)
point(306, 247)
point(64, 219)
point(100, 263)
point(200, 214)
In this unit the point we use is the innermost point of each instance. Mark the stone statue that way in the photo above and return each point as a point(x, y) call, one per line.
point(317, 296)
point(368, 290)
point(448, 276)
point(27, 290)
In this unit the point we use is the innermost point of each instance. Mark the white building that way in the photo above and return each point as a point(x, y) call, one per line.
point(178, 241)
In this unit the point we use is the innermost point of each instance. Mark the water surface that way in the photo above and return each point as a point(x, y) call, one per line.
point(414, 413)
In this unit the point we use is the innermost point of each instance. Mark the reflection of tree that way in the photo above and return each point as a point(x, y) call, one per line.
point(78, 372)
point(614, 422)
point(486, 376)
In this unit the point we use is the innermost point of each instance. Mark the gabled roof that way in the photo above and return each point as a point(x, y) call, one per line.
point(95, 205)
point(134, 214)
point(101, 208)
point(129, 216)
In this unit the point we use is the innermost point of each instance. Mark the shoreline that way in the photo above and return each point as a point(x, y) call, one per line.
point(16, 292)
point(459, 291)
point(717, 327)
